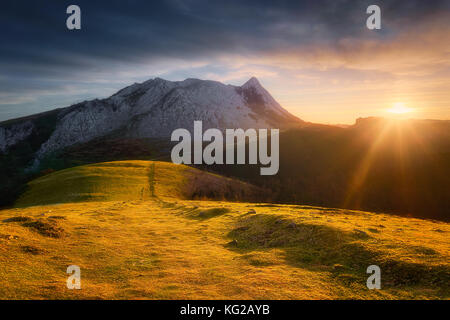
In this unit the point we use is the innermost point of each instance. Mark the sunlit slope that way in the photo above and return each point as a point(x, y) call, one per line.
point(133, 180)
point(132, 245)
point(183, 249)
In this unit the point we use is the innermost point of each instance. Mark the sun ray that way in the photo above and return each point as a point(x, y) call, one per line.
point(363, 169)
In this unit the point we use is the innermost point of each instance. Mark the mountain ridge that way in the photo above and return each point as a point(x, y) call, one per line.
point(154, 108)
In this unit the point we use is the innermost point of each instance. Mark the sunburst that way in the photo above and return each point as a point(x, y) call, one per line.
point(399, 108)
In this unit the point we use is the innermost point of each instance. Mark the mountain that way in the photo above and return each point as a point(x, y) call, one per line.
point(152, 109)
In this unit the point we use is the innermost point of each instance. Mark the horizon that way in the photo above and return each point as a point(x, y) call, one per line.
point(350, 123)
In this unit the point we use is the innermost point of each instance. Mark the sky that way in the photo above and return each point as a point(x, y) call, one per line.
point(317, 58)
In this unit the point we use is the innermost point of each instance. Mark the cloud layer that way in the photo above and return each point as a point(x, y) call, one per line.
point(315, 56)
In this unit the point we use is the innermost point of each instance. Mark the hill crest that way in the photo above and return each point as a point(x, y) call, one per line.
point(134, 180)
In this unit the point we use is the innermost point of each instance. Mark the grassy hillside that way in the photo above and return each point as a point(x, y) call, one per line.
point(402, 167)
point(131, 245)
point(133, 180)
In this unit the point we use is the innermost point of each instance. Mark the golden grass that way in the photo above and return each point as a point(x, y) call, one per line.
point(167, 247)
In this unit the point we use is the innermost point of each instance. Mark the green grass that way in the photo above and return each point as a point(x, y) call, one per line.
point(131, 245)
point(132, 180)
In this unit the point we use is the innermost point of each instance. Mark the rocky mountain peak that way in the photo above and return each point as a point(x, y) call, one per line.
point(154, 108)
point(252, 83)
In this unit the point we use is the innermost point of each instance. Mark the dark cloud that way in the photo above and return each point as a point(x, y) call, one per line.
point(38, 51)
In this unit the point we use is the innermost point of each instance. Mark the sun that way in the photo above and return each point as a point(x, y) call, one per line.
point(399, 108)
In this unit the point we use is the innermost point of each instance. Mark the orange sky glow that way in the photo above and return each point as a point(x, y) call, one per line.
point(357, 78)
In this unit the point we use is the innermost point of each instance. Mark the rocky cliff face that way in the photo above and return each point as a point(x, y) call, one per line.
point(10, 135)
point(154, 109)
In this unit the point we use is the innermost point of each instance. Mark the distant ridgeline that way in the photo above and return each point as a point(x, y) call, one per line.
point(378, 165)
